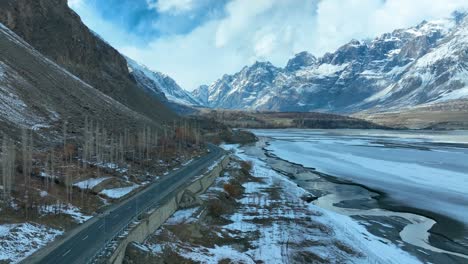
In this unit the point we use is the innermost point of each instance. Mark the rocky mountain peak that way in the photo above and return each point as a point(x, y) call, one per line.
point(201, 93)
point(261, 65)
point(357, 76)
point(301, 60)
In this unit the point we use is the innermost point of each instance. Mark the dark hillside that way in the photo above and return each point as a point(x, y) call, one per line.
point(56, 31)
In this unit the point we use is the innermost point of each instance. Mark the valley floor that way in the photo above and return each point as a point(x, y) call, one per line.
point(261, 217)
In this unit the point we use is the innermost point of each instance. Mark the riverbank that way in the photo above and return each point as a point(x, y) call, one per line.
point(261, 217)
point(433, 237)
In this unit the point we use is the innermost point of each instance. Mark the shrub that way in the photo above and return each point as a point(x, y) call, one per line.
point(216, 208)
point(232, 190)
point(246, 166)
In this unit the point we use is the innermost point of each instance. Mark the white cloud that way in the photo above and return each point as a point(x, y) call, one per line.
point(338, 21)
point(251, 30)
point(171, 6)
point(271, 30)
point(75, 3)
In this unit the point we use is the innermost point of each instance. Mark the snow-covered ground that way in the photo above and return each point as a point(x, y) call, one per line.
point(343, 228)
point(182, 216)
point(17, 241)
point(73, 211)
point(90, 183)
point(119, 192)
point(406, 166)
point(276, 223)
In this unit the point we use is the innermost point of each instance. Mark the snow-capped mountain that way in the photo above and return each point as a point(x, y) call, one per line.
point(406, 67)
point(159, 84)
point(441, 74)
point(201, 94)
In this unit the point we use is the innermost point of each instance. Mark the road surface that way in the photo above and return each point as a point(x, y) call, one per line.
point(83, 245)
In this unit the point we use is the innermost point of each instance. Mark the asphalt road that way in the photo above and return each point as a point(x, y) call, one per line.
point(85, 244)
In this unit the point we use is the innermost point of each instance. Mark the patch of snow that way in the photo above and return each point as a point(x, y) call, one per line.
point(182, 216)
point(90, 183)
point(18, 241)
point(453, 95)
point(215, 255)
point(215, 163)
point(37, 127)
point(46, 175)
point(187, 162)
point(119, 192)
point(72, 211)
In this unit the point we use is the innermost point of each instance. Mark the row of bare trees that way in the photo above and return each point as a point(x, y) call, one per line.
point(97, 147)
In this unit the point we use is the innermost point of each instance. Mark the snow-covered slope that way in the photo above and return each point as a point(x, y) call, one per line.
point(161, 85)
point(439, 75)
point(407, 67)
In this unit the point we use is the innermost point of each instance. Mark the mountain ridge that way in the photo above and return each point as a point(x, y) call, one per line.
point(354, 78)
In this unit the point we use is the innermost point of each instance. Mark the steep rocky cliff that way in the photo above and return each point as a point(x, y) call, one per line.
point(56, 31)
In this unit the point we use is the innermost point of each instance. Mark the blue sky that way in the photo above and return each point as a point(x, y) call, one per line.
point(197, 41)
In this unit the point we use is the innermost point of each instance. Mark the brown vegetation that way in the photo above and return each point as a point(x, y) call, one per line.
point(246, 119)
point(233, 190)
point(246, 167)
point(43, 176)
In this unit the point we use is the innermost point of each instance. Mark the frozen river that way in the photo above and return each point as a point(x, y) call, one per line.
point(424, 173)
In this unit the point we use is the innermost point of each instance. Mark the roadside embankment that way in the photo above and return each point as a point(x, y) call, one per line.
point(149, 222)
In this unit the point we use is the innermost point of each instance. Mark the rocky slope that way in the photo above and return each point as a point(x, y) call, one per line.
point(52, 28)
point(407, 67)
point(38, 94)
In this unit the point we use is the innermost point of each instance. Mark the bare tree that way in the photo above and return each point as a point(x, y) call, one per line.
point(8, 166)
point(26, 143)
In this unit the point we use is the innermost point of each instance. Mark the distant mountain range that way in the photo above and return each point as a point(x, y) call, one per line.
point(407, 69)
point(424, 64)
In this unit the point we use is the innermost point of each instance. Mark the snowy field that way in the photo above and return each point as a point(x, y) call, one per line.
point(346, 230)
point(279, 227)
point(17, 241)
point(414, 168)
point(119, 192)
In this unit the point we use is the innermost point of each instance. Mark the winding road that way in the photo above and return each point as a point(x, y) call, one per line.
point(82, 245)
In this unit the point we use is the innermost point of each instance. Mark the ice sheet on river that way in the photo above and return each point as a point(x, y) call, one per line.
point(414, 171)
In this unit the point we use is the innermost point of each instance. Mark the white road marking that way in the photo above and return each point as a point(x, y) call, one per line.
point(100, 226)
point(84, 238)
point(66, 253)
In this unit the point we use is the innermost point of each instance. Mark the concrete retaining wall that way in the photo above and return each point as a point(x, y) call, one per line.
point(156, 218)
